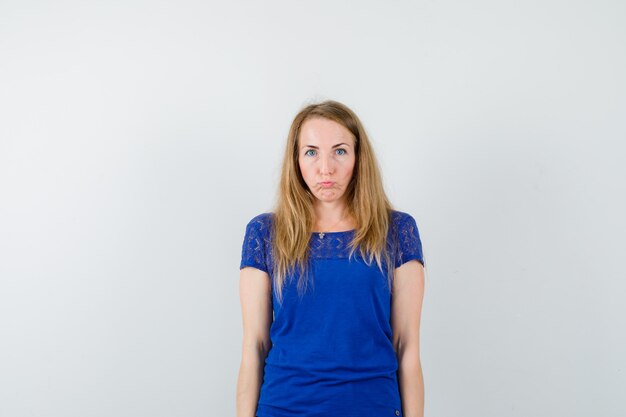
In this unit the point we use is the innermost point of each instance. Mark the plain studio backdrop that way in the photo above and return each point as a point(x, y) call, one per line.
point(137, 139)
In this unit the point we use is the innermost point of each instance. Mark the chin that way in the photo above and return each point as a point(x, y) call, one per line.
point(329, 198)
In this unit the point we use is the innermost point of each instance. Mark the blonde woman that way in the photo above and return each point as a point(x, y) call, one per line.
point(331, 284)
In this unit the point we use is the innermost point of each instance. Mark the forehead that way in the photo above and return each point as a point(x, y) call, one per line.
point(322, 130)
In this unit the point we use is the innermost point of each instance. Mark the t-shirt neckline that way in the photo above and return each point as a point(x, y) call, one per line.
point(334, 233)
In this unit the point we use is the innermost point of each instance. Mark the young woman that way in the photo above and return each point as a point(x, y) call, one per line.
point(331, 284)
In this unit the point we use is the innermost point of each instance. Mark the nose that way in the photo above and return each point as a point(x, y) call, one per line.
point(326, 165)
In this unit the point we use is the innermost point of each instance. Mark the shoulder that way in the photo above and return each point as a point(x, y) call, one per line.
point(401, 219)
point(255, 250)
point(407, 238)
point(261, 223)
point(262, 219)
point(403, 226)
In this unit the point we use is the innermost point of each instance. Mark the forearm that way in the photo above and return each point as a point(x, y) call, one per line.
point(249, 383)
point(411, 384)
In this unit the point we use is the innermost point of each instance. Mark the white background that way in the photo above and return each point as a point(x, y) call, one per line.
point(137, 139)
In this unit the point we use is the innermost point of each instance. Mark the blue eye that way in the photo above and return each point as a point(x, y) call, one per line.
point(343, 152)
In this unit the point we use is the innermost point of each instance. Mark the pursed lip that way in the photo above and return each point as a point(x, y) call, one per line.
point(326, 183)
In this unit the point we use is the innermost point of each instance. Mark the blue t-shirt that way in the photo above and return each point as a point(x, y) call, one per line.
point(332, 352)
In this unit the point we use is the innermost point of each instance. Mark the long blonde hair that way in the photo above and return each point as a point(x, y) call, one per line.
point(293, 214)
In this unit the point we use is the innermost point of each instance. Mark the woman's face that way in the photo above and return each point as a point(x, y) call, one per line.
point(326, 157)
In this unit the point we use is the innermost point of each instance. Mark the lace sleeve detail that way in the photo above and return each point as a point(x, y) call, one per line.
point(409, 242)
point(254, 248)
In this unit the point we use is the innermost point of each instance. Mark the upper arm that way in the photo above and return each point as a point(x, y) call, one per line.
point(255, 295)
point(407, 288)
point(406, 307)
point(255, 289)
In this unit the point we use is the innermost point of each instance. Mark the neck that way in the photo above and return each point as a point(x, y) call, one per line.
point(333, 214)
point(329, 212)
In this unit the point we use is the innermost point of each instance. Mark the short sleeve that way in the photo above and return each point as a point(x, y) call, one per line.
point(253, 250)
point(409, 242)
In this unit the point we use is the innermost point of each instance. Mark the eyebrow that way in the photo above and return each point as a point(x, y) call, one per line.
point(315, 147)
